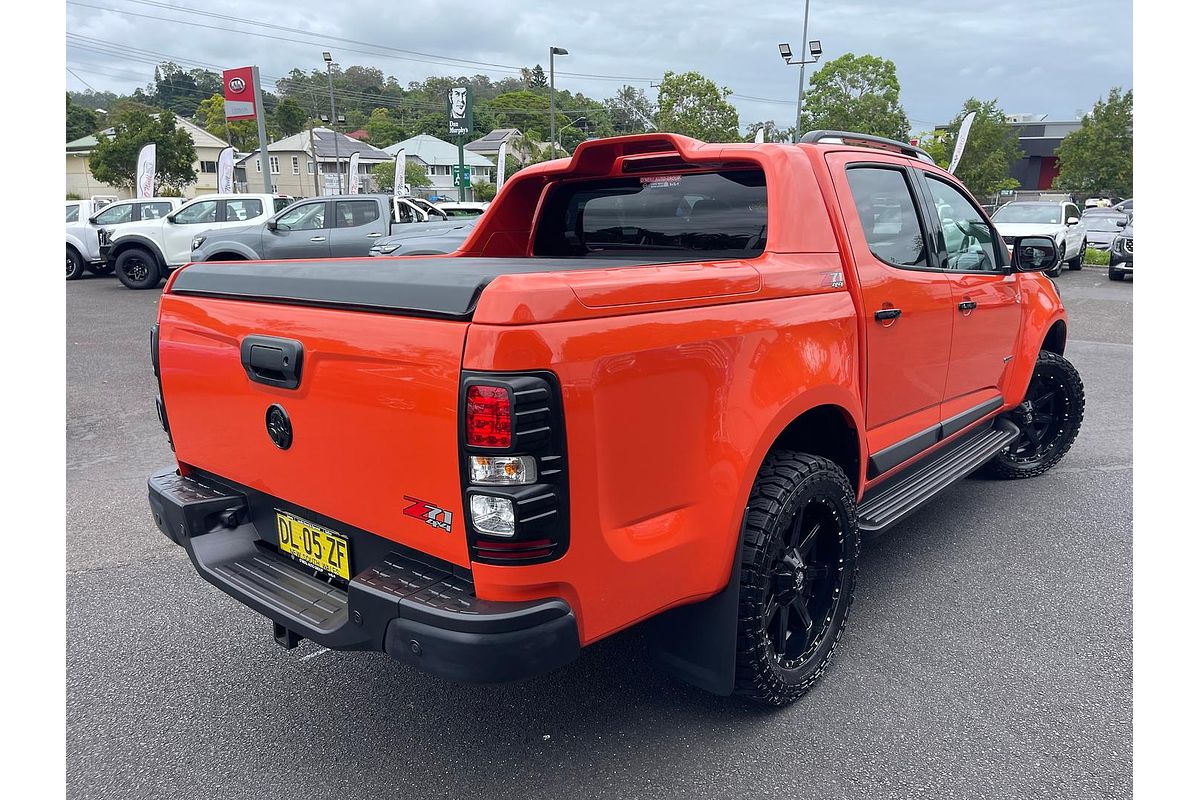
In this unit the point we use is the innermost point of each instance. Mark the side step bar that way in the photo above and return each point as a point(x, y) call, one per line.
point(907, 492)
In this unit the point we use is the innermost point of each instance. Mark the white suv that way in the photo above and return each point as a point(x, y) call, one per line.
point(86, 219)
point(144, 252)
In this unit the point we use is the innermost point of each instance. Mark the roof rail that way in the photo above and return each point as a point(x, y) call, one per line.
point(866, 140)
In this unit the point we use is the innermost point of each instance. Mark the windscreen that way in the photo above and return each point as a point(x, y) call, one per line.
point(1037, 213)
point(720, 214)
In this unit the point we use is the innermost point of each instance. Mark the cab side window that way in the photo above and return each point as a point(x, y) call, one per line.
point(888, 214)
point(155, 210)
point(114, 215)
point(303, 217)
point(355, 213)
point(968, 239)
point(199, 213)
point(73, 213)
point(242, 210)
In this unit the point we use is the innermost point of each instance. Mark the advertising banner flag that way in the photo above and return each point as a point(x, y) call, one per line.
point(145, 170)
point(760, 135)
point(963, 131)
point(500, 164)
point(239, 93)
point(355, 181)
point(400, 189)
point(225, 171)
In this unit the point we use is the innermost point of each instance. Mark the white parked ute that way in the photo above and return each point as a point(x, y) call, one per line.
point(143, 253)
point(86, 219)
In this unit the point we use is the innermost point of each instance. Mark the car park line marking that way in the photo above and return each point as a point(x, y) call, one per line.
point(1102, 344)
point(320, 651)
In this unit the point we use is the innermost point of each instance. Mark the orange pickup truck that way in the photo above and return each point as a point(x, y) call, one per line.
point(662, 381)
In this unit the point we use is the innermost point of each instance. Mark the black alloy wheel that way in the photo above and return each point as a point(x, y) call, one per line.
point(1048, 419)
point(799, 562)
point(138, 269)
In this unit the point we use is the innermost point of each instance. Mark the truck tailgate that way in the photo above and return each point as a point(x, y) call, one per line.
point(374, 418)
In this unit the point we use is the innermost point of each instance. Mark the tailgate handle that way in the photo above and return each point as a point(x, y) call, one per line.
point(273, 361)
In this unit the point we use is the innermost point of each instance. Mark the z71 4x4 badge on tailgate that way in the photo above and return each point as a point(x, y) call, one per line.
point(428, 513)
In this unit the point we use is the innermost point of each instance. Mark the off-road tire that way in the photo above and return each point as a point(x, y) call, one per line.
point(75, 265)
point(1076, 263)
point(1056, 378)
point(137, 268)
point(1115, 274)
point(787, 483)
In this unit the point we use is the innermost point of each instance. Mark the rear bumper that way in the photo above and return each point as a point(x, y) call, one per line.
point(418, 610)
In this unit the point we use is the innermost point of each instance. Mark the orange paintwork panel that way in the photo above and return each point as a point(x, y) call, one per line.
point(374, 418)
point(668, 417)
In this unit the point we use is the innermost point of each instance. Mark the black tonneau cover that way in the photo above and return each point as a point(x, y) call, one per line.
point(429, 286)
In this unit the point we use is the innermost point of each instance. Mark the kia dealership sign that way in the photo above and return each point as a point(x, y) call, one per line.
point(239, 93)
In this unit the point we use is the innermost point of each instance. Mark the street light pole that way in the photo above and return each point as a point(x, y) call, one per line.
point(337, 159)
point(554, 51)
point(814, 49)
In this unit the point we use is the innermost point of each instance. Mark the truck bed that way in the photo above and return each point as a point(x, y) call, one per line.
point(446, 287)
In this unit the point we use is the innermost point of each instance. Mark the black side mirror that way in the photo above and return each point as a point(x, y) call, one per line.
point(92, 220)
point(272, 225)
point(1034, 254)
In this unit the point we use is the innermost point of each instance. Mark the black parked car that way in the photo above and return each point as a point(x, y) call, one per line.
point(1120, 257)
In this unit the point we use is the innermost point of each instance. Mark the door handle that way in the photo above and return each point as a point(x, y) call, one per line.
point(884, 314)
point(317, 239)
point(966, 305)
point(374, 235)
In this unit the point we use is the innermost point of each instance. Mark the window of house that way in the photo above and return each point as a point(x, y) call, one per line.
point(295, 165)
point(258, 165)
point(888, 215)
point(274, 164)
point(208, 166)
point(310, 167)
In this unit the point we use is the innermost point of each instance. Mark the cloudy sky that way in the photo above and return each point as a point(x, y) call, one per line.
point(1053, 57)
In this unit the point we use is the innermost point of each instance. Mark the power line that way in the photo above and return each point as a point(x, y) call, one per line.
point(81, 80)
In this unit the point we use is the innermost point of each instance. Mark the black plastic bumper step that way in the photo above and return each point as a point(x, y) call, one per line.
point(906, 493)
point(274, 580)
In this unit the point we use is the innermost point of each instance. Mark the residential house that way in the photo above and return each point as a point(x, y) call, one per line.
point(439, 158)
point(81, 182)
point(307, 164)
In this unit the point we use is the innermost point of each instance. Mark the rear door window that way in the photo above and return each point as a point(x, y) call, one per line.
point(355, 213)
point(73, 213)
point(888, 214)
point(155, 210)
point(721, 214)
point(243, 210)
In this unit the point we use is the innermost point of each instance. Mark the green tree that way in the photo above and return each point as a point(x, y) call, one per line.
point(630, 110)
point(484, 191)
point(414, 175)
point(534, 78)
point(382, 130)
point(289, 117)
point(856, 93)
point(80, 121)
point(691, 104)
point(1097, 159)
point(525, 110)
point(773, 132)
point(992, 148)
point(114, 161)
point(242, 133)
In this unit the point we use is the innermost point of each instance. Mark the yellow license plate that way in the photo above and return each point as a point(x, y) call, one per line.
point(312, 544)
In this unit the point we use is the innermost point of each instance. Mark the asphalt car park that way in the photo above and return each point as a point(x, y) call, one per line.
point(988, 652)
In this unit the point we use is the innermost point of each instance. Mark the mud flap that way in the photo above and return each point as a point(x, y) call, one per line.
point(697, 643)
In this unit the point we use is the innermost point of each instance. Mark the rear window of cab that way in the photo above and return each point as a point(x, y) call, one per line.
point(722, 214)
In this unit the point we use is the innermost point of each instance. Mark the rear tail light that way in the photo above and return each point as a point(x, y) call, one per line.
point(514, 467)
point(502, 470)
point(489, 416)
